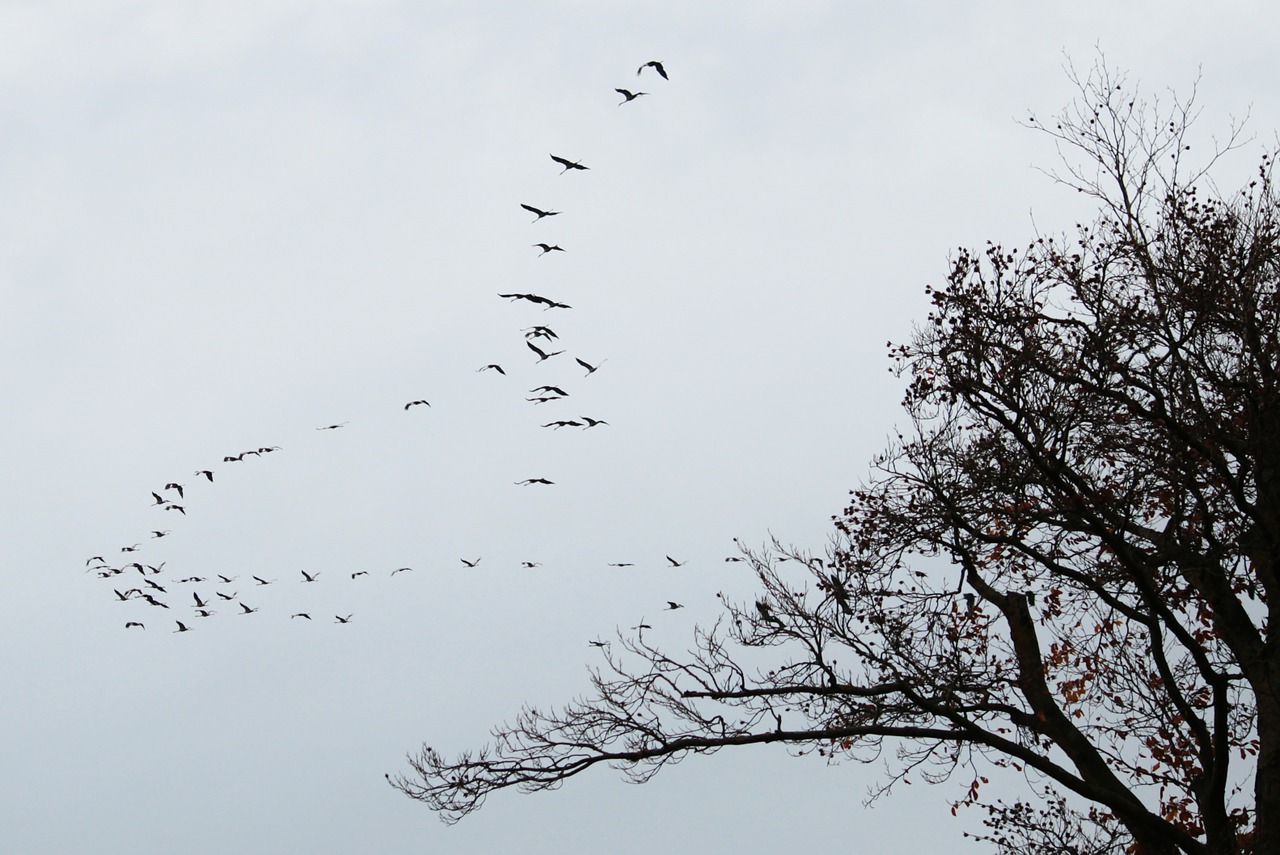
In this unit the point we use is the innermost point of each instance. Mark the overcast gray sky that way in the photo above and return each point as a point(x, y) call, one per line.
point(225, 224)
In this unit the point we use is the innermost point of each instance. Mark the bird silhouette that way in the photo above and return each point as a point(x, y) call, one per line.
point(182, 627)
point(591, 369)
point(134, 623)
point(300, 614)
point(552, 389)
point(470, 563)
point(179, 508)
point(672, 606)
point(622, 564)
point(159, 499)
point(157, 534)
point(341, 619)
point(543, 356)
point(675, 563)
point(401, 570)
point(326, 427)
point(530, 564)
point(492, 366)
point(415, 403)
point(178, 487)
point(205, 613)
point(360, 573)
point(560, 424)
point(539, 332)
point(598, 643)
point(208, 473)
point(133, 548)
point(656, 66)
point(262, 581)
point(548, 247)
point(526, 482)
point(535, 298)
point(538, 212)
point(247, 610)
point(309, 577)
point(568, 164)
point(590, 422)
point(628, 96)
point(199, 602)
point(223, 596)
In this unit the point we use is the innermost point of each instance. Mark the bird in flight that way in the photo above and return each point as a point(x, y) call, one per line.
point(326, 427)
point(568, 164)
point(673, 605)
point(156, 534)
point(173, 486)
point(656, 66)
point(401, 570)
point(159, 499)
point(538, 212)
point(227, 580)
point(622, 564)
point(548, 247)
point(341, 619)
point(182, 627)
point(628, 96)
point(230, 596)
point(539, 332)
point(675, 563)
point(734, 558)
point(134, 623)
point(415, 403)
point(526, 482)
point(199, 602)
point(300, 614)
point(470, 563)
point(598, 643)
point(550, 390)
point(535, 298)
point(208, 473)
point(133, 548)
point(530, 564)
point(360, 573)
point(592, 422)
point(564, 423)
point(262, 581)
point(174, 507)
point(591, 369)
point(247, 610)
point(309, 577)
point(543, 356)
point(492, 366)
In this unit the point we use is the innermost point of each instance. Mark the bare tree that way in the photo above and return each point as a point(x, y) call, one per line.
point(1062, 570)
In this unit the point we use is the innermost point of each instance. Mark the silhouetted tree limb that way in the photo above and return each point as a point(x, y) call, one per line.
point(1067, 567)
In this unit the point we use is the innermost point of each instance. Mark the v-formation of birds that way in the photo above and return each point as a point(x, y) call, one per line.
point(237, 595)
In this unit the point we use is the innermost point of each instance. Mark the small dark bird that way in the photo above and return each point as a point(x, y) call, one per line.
point(153, 584)
point(656, 66)
point(236, 459)
point(326, 427)
point(548, 247)
point(300, 614)
point(309, 577)
point(628, 96)
point(247, 610)
point(193, 579)
point(641, 626)
point(208, 473)
point(552, 389)
point(568, 164)
point(401, 570)
point(172, 486)
point(734, 558)
point(526, 482)
point(199, 602)
point(159, 499)
point(341, 619)
point(592, 422)
point(530, 564)
point(560, 424)
point(125, 595)
point(134, 623)
point(598, 643)
point(415, 403)
point(538, 212)
point(360, 573)
point(535, 298)
point(227, 580)
point(622, 564)
point(230, 596)
point(675, 563)
point(492, 366)
point(470, 563)
point(179, 508)
point(543, 400)
point(672, 606)
point(97, 558)
point(262, 581)
point(182, 627)
point(205, 613)
point(133, 548)
point(153, 601)
point(539, 332)
point(156, 534)
point(543, 356)
point(591, 369)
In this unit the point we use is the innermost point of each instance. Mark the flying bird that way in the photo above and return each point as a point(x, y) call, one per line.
point(341, 619)
point(205, 613)
point(628, 96)
point(469, 563)
point(592, 422)
point(675, 563)
point(560, 424)
point(543, 356)
point(134, 623)
point(133, 548)
point(538, 212)
point(262, 581)
point(360, 573)
point(208, 473)
point(182, 627)
point(672, 606)
point(247, 610)
point(326, 427)
point(401, 570)
point(159, 499)
point(415, 403)
point(156, 534)
point(179, 508)
point(622, 564)
point(173, 486)
point(735, 558)
point(308, 577)
point(598, 643)
point(300, 614)
point(492, 366)
point(548, 247)
point(554, 389)
point(530, 564)
point(568, 164)
point(591, 369)
point(199, 602)
point(230, 596)
point(526, 482)
point(656, 66)
point(227, 580)
point(539, 332)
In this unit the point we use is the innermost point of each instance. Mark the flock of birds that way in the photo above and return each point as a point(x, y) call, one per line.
point(138, 584)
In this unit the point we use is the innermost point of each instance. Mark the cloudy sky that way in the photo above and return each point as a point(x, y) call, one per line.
point(226, 224)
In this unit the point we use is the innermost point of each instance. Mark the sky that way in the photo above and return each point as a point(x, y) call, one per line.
point(227, 224)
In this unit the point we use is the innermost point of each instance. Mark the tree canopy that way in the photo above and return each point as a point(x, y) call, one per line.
point(1063, 568)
